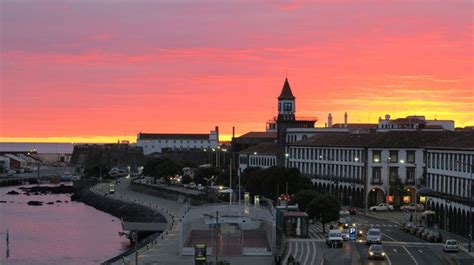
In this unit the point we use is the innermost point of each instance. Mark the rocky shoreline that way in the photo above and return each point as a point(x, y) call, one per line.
point(120, 209)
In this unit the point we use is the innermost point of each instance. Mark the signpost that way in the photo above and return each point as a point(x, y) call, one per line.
point(352, 233)
point(200, 255)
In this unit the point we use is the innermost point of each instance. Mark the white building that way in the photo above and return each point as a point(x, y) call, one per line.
point(262, 155)
point(449, 171)
point(414, 123)
point(158, 142)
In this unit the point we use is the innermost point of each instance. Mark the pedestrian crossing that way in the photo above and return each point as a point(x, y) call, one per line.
point(316, 231)
point(303, 252)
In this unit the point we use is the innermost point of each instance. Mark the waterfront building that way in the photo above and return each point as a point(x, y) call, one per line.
point(159, 142)
point(263, 155)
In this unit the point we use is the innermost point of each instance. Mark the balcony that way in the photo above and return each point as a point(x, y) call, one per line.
point(410, 182)
point(376, 182)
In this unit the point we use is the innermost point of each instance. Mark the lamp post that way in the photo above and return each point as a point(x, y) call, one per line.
point(470, 201)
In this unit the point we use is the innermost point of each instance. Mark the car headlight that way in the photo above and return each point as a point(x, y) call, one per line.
point(371, 253)
point(383, 253)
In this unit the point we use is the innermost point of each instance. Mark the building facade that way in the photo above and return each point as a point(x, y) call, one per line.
point(158, 142)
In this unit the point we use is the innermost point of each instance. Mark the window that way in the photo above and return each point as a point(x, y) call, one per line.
point(411, 175)
point(279, 106)
point(287, 106)
point(393, 158)
point(376, 175)
point(376, 156)
point(393, 173)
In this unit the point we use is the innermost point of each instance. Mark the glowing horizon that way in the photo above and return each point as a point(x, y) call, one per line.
point(182, 66)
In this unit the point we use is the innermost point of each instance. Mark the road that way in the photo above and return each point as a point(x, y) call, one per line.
point(401, 248)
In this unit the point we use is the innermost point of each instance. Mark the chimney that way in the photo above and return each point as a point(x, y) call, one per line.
point(217, 133)
point(233, 132)
point(329, 120)
point(345, 119)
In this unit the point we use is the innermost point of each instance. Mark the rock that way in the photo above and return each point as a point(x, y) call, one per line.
point(13, 192)
point(35, 203)
point(50, 203)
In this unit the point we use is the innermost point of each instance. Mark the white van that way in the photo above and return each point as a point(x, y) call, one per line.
point(334, 238)
point(374, 236)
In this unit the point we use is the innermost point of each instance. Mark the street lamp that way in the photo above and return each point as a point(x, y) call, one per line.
point(470, 202)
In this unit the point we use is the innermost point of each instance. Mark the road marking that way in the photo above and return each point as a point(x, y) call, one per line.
point(419, 250)
point(388, 259)
point(395, 250)
point(289, 252)
point(307, 252)
point(389, 237)
point(413, 258)
point(314, 252)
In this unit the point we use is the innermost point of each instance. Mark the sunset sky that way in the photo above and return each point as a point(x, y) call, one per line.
point(96, 71)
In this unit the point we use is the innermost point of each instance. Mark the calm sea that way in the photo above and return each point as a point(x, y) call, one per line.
point(63, 233)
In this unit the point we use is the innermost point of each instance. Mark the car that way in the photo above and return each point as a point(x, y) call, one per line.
point(352, 211)
point(420, 231)
point(376, 252)
point(381, 207)
point(412, 206)
point(345, 234)
point(451, 245)
point(408, 227)
point(334, 238)
point(374, 236)
point(434, 237)
point(414, 229)
point(11, 173)
point(425, 234)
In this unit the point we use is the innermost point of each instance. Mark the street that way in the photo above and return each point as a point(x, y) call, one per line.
point(401, 248)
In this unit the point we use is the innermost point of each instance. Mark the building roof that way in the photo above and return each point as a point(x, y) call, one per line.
point(271, 135)
point(294, 214)
point(286, 91)
point(356, 125)
point(392, 139)
point(173, 136)
point(263, 149)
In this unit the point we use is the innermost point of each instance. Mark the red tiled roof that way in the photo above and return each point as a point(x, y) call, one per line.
point(172, 136)
point(286, 91)
point(263, 148)
point(259, 135)
point(356, 125)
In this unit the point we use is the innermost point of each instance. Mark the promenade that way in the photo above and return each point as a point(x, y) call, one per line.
point(166, 248)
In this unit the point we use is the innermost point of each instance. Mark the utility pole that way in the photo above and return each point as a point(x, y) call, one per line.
point(230, 182)
point(136, 242)
point(217, 235)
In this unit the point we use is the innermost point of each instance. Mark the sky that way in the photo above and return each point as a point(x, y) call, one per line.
point(102, 70)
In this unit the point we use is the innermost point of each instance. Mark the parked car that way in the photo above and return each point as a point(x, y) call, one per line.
point(382, 207)
point(435, 237)
point(414, 229)
point(334, 238)
point(402, 225)
point(412, 206)
point(425, 234)
point(376, 252)
point(451, 245)
point(374, 236)
point(408, 227)
point(420, 231)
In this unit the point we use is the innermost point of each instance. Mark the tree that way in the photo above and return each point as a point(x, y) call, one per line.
point(304, 197)
point(206, 175)
point(161, 168)
point(271, 182)
point(396, 189)
point(324, 208)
